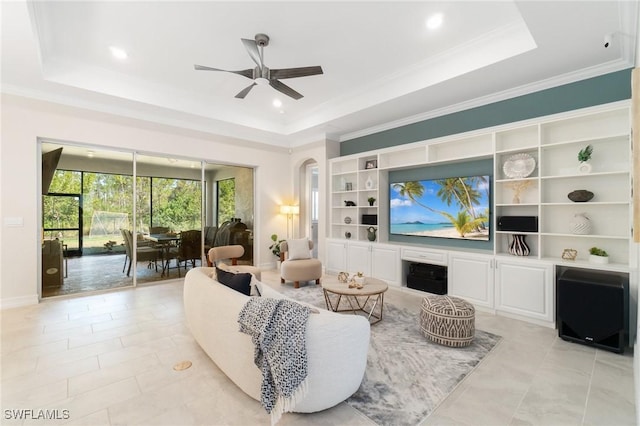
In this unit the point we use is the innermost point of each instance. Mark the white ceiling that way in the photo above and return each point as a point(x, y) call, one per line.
point(382, 66)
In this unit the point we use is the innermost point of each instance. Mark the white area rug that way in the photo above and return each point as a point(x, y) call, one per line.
point(407, 376)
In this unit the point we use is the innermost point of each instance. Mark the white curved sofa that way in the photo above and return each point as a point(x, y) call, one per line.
point(337, 344)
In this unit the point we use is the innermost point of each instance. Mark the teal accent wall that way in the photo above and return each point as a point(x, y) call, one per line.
point(581, 94)
point(467, 168)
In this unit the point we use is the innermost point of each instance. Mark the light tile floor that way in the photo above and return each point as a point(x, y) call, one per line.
point(107, 359)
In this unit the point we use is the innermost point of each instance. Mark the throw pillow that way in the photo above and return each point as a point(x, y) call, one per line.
point(238, 282)
point(298, 249)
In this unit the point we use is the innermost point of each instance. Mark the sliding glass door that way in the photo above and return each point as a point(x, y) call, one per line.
point(87, 203)
point(109, 216)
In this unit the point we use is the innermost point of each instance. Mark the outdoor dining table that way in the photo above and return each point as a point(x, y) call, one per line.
point(166, 242)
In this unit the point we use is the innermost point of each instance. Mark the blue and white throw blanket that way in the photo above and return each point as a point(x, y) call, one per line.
point(277, 328)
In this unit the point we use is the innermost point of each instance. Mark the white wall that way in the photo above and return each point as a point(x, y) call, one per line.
point(319, 151)
point(25, 120)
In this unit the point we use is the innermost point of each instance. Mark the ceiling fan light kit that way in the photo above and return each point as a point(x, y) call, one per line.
point(261, 74)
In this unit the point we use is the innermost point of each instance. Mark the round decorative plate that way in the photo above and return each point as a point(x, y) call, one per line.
point(347, 220)
point(519, 166)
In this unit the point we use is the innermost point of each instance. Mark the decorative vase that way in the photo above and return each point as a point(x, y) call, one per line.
point(371, 233)
point(584, 167)
point(518, 246)
point(368, 183)
point(580, 195)
point(371, 203)
point(347, 234)
point(581, 224)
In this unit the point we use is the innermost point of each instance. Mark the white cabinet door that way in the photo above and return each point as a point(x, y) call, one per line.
point(336, 256)
point(525, 288)
point(359, 258)
point(385, 264)
point(470, 277)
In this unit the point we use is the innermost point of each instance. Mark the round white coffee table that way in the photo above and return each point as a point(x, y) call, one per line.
point(365, 299)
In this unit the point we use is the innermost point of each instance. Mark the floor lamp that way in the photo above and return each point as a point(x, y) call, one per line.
point(289, 211)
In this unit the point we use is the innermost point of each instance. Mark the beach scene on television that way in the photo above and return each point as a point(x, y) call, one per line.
point(447, 208)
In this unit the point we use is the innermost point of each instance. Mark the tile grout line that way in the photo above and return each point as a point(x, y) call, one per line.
point(586, 401)
point(533, 376)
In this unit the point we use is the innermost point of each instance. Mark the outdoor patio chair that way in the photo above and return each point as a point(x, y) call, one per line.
point(143, 254)
point(189, 248)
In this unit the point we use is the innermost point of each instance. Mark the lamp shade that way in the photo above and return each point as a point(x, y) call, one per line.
point(285, 209)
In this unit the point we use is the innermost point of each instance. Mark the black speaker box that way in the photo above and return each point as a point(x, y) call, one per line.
point(427, 277)
point(518, 223)
point(592, 308)
point(369, 219)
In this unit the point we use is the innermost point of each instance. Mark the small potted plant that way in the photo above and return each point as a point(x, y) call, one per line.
point(598, 255)
point(275, 247)
point(371, 200)
point(584, 156)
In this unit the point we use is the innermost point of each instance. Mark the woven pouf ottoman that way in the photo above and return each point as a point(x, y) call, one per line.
point(447, 320)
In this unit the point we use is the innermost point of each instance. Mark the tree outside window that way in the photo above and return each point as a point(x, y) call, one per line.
point(226, 200)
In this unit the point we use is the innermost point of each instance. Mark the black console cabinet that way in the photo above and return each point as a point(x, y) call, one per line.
point(592, 308)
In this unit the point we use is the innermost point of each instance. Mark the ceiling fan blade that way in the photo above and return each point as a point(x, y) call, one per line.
point(296, 72)
point(246, 73)
point(252, 49)
point(245, 91)
point(283, 88)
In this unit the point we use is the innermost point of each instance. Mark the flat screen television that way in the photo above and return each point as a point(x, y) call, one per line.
point(455, 207)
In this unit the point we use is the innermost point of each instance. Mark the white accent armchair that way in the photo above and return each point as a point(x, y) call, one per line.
point(297, 263)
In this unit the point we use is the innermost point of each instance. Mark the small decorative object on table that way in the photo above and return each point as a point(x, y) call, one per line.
point(569, 254)
point(584, 156)
point(598, 255)
point(580, 195)
point(343, 277)
point(357, 281)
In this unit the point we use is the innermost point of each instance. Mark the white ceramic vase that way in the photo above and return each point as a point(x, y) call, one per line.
point(584, 167)
point(368, 184)
point(581, 224)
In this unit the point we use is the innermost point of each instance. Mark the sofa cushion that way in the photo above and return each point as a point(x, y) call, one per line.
point(298, 249)
point(238, 282)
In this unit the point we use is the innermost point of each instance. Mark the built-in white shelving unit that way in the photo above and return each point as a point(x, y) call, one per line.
point(553, 142)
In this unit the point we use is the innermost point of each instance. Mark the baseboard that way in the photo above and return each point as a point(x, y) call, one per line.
point(16, 302)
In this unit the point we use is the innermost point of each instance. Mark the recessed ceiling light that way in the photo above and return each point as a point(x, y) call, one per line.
point(277, 103)
point(434, 21)
point(118, 53)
